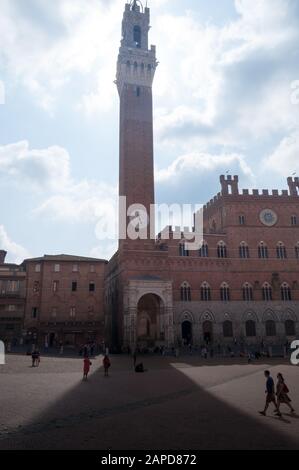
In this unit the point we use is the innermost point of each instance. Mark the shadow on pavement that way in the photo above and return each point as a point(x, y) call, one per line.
point(160, 409)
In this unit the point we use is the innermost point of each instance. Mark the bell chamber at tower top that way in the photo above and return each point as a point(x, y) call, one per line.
point(136, 62)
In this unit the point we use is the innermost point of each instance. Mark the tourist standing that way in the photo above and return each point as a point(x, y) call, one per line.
point(270, 397)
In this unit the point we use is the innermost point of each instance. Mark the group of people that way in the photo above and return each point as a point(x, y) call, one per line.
point(87, 364)
point(281, 396)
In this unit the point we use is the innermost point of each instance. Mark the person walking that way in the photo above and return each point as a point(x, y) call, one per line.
point(270, 397)
point(135, 358)
point(35, 356)
point(86, 367)
point(282, 392)
point(106, 364)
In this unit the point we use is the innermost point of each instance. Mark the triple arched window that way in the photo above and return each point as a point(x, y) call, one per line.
point(183, 250)
point(281, 251)
point(286, 293)
point(185, 292)
point(204, 250)
point(263, 251)
point(205, 292)
point(247, 292)
point(244, 250)
point(267, 292)
point(222, 250)
point(224, 292)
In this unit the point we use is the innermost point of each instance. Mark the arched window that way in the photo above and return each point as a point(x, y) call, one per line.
point(228, 329)
point(244, 250)
point(182, 249)
point(250, 328)
point(205, 292)
point(247, 292)
point(221, 250)
point(263, 251)
point(204, 250)
point(135, 65)
point(281, 251)
point(297, 250)
point(290, 328)
point(286, 293)
point(185, 292)
point(270, 328)
point(128, 64)
point(294, 220)
point(224, 292)
point(267, 292)
point(137, 36)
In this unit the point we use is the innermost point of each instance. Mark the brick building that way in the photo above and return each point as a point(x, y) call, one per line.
point(64, 300)
point(241, 286)
point(12, 300)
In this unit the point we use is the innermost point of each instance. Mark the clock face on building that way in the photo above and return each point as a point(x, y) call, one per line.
point(268, 217)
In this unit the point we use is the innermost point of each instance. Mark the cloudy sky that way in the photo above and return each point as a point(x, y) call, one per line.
point(226, 97)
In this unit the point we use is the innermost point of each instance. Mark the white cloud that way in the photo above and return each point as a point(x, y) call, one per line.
point(104, 251)
point(284, 160)
point(46, 169)
point(202, 162)
point(16, 252)
point(81, 202)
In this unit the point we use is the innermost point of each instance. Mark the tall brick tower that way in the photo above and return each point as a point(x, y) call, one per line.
point(135, 73)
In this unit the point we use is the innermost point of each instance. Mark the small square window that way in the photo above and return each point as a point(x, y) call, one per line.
point(55, 286)
point(37, 268)
point(92, 268)
point(92, 287)
point(242, 219)
point(57, 268)
point(73, 312)
point(12, 308)
point(75, 268)
point(74, 286)
point(34, 312)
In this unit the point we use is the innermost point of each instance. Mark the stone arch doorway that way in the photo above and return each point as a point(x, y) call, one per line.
point(187, 335)
point(207, 328)
point(149, 326)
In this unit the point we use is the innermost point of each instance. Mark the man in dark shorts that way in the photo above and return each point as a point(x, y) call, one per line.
point(270, 391)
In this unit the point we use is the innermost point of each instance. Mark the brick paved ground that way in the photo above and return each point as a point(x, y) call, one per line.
point(180, 403)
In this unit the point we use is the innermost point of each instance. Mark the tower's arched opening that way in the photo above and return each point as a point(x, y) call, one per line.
point(137, 36)
point(208, 332)
point(187, 332)
point(149, 326)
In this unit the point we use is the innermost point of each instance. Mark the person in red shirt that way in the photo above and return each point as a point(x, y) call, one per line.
point(106, 364)
point(86, 367)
